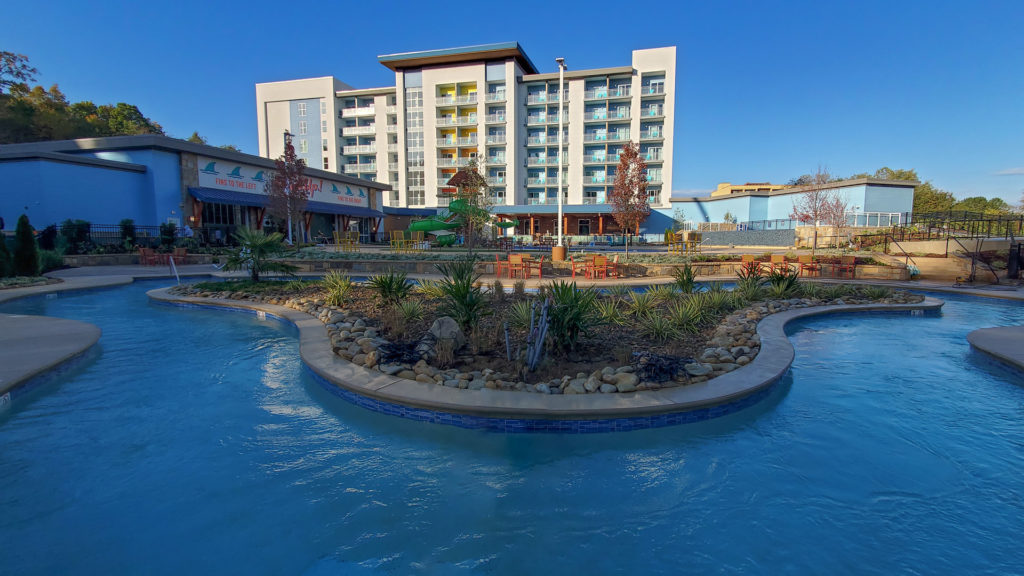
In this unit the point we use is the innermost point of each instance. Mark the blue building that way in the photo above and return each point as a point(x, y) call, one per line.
point(156, 179)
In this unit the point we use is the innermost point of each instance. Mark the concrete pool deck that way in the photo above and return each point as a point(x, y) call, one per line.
point(32, 345)
point(1005, 343)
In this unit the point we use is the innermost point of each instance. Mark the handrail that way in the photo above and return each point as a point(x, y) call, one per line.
point(974, 259)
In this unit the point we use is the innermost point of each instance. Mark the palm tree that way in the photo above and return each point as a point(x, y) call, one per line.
point(254, 256)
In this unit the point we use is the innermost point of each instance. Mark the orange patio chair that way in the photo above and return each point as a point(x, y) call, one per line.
point(808, 267)
point(516, 266)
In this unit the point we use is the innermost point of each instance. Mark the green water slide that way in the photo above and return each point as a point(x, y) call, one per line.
point(443, 224)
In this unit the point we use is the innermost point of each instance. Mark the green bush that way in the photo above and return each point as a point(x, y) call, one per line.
point(338, 285)
point(463, 299)
point(430, 288)
point(26, 252)
point(48, 238)
point(608, 310)
point(519, 314)
point(127, 231)
point(686, 315)
point(658, 327)
point(6, 266)
point(168, 230)
point(411, 310)
point(685, 279)
point(50, 260)
point(572, 314)
point(783, 283)
point(391, 286)
point(640, 303)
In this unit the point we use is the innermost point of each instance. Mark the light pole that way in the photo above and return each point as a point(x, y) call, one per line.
point(561, 99)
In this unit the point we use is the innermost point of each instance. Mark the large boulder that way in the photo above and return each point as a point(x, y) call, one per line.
point(446, 328)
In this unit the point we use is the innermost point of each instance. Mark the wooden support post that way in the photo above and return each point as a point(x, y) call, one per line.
point(600, 224)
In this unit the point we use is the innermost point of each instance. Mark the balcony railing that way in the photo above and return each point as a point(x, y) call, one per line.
point(614, 116)
point(654, 178)
point(365, 149)
point(452, 162)
point(652, 113)
point(596, 115)
point(392, 147)
point(533, 120)
point(448, 142)
point(367, 167)
point(496, 139)
point(651, 135)
point(594, 179)
point(393, 166)
point(544, 161)
point(653, 157)
point(601, 159)
point(496, 160)
point(456, 121)
point(495, 96)
point(536, 181)
point(656, 89)
point(393, 109)
point(469, 141)
point(495, 118)
point(592, 200)
point(595, 94)
point(391, 128)
point(536, 140)
point(359, 130)
point(618, 136)
point(356, 112)
point(620, 92)
point(456, 100)
point(495, 180)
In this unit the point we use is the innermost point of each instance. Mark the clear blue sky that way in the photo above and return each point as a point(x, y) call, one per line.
point(766, 90)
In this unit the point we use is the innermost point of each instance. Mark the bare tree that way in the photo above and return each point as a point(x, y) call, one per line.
point(836, 211)
point(814, 205)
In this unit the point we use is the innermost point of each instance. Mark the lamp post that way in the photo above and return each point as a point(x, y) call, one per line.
point(558, 253)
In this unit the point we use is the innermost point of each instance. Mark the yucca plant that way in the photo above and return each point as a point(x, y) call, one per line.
point(749, 276)
point(810, 290)
point(618, 291)
point(338, 285)
point(662, 292)
point(497, 291)
point(572, 314)
point(718, 301)
point(783, 283)
point(608, 310)
point(657, 327)
point(463, 299)
point(519, 288)
point(833, 291)
point(430, 288)
point(519, 314)
point(391, 286)
point(411, 310)
point(685, 279)
point(686, 315)
point(876, 292)
point(716, 287)
point(640, 303)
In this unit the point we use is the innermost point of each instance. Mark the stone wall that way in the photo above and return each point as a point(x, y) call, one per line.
point(782, 238)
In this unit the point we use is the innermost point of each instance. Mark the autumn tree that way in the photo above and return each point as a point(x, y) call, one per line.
point(817, 203)
point(475, 201)
point(630, 205)
point(288, 189)
point(14, 69)
point(195, 138)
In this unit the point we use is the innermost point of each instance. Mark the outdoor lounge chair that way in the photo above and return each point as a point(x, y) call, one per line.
point(846, 264)
point(808, 267)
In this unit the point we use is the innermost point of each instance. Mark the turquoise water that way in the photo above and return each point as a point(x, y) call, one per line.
point(193, 441)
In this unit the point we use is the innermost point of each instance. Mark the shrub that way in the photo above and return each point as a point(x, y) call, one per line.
point(876, 292)
point(717, 301)
point(6, 266)
point(168, 230)
point(463, 299)
point(76, 231)
point(497, 291)
point(519, 314)
point(640, 303)
point(749, 275)
point(338, 285)
point(783, 283)
point(685, 279)
point(519, 288)
point(608, 310)
point(48, 238)
point(26, 253)
point(619, 291)
point(657, 327)
point(391, 287)
point(662, 292)
point(572, 314)
point(50, 260)
point(411, 310)
point(429, 288)
point(686, 315)
point(127, 231)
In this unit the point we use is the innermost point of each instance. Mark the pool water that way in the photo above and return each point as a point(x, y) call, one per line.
point(193, 441)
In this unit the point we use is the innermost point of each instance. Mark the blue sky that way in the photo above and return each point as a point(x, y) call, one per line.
point(766, 90)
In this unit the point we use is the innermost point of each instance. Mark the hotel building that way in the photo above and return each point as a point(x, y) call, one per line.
point(492, 104)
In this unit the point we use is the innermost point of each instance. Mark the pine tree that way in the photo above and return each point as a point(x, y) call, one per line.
point(5, 257)
point(26, 252)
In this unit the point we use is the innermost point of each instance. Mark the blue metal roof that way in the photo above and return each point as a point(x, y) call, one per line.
point(258, 200)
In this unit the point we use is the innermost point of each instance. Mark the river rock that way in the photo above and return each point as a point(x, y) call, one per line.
point(695, 369)
point(608, 389)
point(446, 328)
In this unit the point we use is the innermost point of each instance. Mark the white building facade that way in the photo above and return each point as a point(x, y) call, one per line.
point(488, 103)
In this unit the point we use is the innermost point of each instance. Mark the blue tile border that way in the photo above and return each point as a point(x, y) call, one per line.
point(22, 389)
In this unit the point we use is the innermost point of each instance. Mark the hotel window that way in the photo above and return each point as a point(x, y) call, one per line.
point(218, 214)
point(303, 146)
point(302, 108)
point(327, 163)
point(325, 144)
point(323, 108)
point(323, 126)
point(302, 126)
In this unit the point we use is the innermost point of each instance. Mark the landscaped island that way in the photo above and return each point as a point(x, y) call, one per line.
point(561, 339)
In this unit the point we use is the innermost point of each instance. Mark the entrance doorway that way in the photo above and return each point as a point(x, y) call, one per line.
point(583, 227)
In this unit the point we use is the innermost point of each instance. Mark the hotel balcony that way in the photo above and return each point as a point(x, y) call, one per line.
point(651, 135)
point(393, 166)
point(536, 181)
point(535, 120)
point(653, 113)
point(496, 139)
point(456, 121)
point(537, 141)
point(495, 119)
point(652, 90)
point(618, 136)
point(591, 200)
point(357, 112)
point(452, 162)
point(391, 128)
point(614, 116)
point(393, 109)
point(601, 159)
point(456, 100)
point(597, 115)
point(392, 147)
point(542, 200)
point(548, 161)
point(620, 92)
point(365, 149)
point(496, 96)
point(495, 180)
point(654, 178)
point(449, 142)
point(359, 130)
point(594, 179)
point(360, 168)
point(496, 161)
point(655, 157)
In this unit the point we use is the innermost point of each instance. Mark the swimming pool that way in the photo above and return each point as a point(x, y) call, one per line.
point(194, 441)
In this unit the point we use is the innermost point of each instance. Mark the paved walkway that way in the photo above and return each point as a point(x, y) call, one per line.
point(1005, 343)
point(31, 345)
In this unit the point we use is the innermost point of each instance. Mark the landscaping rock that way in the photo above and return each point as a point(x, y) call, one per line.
point(446, 328)
point(608, 389)
point(407, 374)
point(695, 369)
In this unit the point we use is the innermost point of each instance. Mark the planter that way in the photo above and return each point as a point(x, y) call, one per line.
point(81, 260)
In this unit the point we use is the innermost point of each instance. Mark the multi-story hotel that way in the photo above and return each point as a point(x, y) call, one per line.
point(488, 103)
